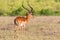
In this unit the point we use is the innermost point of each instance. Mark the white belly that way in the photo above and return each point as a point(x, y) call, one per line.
point(22, 24)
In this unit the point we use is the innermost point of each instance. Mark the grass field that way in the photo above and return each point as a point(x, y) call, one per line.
point(39, 28)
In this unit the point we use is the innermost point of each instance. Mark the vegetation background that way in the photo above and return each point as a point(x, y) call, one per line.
point(45, 25)
point(41, 7)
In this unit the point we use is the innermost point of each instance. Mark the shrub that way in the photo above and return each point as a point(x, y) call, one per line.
point(46, 12)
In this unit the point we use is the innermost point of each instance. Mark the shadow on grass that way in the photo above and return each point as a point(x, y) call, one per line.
point(8, 27)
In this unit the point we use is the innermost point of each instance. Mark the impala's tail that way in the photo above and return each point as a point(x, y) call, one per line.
point(15, 22)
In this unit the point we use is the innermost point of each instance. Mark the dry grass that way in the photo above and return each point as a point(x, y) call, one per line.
point(39, 28)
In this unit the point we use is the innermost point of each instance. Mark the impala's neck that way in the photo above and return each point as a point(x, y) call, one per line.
point(29, 16)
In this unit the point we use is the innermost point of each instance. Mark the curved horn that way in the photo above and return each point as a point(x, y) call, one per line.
point(29, 6)
point(24, 7)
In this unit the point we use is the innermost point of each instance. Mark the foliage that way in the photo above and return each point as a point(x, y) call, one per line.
point(40, 7)
point(57, 0)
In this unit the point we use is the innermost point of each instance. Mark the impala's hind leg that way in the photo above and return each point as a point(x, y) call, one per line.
point(17, 31)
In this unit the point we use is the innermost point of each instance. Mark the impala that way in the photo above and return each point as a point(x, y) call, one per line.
point(20, 22)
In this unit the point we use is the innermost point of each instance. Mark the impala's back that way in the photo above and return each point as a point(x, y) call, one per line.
point(19, 20)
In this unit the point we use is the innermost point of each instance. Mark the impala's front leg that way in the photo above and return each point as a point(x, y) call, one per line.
point(24, 28)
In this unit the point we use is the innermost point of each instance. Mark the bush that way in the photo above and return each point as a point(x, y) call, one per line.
point(14, 8)
point(16, 12)
point(57, 0)
point(46, 12)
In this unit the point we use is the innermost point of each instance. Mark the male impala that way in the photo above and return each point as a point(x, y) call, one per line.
point(21, 22)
